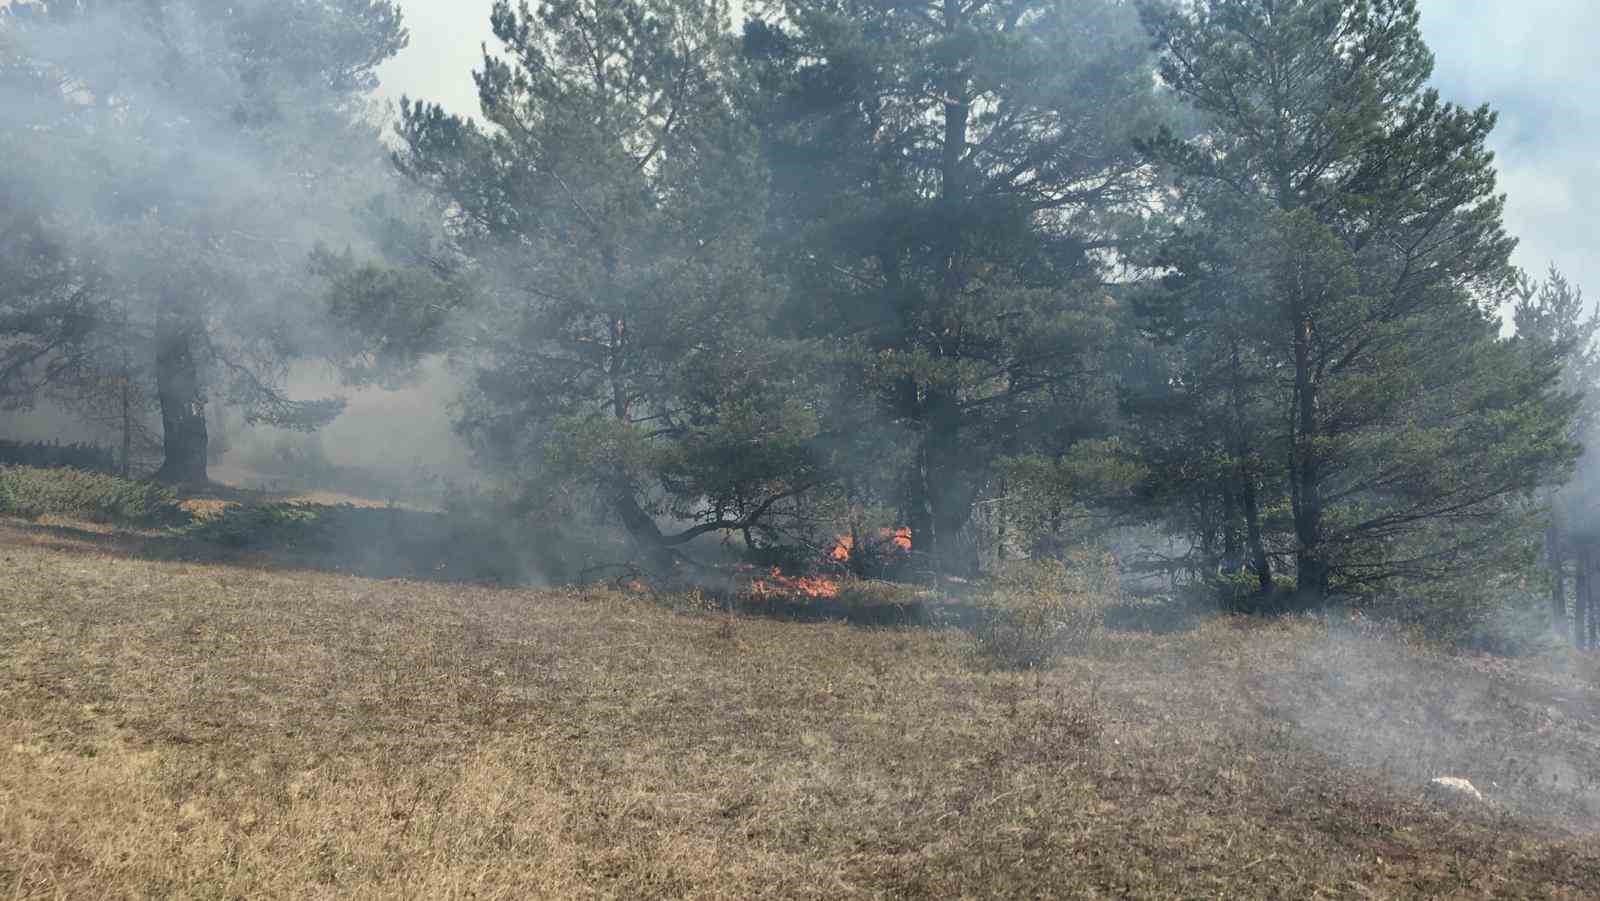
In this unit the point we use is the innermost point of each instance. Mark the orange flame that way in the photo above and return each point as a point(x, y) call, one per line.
point(845, 545)
point(902, 538)
point(775, 583)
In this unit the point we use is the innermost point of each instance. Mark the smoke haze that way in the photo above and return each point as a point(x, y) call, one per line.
point(1531, 61)
point(239, 217)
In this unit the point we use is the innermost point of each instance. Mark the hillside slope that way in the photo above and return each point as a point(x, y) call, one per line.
point(201, 729)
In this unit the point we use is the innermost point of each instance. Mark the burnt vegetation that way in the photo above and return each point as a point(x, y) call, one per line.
point(934, 448)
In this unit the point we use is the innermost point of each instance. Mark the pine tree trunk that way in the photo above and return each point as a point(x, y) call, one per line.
point(918, 511)
point(937, 497)
point(953, 515)
point(1258, 548)
point(1000, 532)
point(858, 551)
point(1310, 561)
point(126, 398)
point(1591, 608)
point(1232, 549)
point(949, 488)
point(127, 425)
point(1581, 611)
point(1586, 623)
point(183, 410)
point(949, 499)
point(642, 528)
point(1248, 502)
point(1558, 580)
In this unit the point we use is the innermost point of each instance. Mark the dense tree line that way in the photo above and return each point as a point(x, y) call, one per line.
point(170, 165)
point(997, 271)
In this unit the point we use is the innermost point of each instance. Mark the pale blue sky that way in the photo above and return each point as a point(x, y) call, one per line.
point(1533, 60)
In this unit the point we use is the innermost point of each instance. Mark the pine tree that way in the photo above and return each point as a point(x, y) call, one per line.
point(1555, 326)
point(1368, 255)
point(949, 180)
point(189, 155)
point(620, 340)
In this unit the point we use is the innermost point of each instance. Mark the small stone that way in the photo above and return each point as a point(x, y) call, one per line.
point(1451, 789)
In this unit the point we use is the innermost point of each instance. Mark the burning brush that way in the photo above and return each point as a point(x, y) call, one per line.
point(892, 541)
point(776, 584)
point(887, 546)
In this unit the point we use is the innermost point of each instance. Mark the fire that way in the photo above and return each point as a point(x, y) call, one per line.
point(902, 538)
point(775, 583)
point(844, 545)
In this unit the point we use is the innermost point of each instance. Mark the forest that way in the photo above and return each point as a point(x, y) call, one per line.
point(916, 291)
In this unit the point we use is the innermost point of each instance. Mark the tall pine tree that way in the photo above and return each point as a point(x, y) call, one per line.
point(189, 155)
point(1367, 254)
point(1554, 326)
point(950, 177)
point(620, 344)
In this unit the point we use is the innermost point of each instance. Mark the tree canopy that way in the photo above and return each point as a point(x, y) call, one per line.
point(980, 278)
point(952, 182)
point(191, 155)
point(1336, 224)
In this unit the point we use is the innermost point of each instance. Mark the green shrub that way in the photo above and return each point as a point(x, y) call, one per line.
point(1501, 616)
point(1032, 611)
point(265, 525)
point(96, 497)
point(1241, 593)
point(53, 454)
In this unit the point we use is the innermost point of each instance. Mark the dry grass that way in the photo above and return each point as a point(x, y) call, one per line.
point(188, 729)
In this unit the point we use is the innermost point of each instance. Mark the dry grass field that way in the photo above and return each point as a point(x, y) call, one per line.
point(179, 728)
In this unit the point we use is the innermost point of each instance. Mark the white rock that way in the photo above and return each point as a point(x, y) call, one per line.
point(1450, 788)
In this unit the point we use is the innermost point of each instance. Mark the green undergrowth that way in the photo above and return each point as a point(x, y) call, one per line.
point(55, 454)
point(32, 492)
point(259, 526)
point(1024, 616)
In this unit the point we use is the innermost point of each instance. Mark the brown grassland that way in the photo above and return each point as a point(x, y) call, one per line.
point(210, 729)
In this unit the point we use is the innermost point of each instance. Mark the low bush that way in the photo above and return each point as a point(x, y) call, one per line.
point(265, 525)
point(1033, 611)
point(1497, 616)
point(33, 492)
point(54, 454)
point(1241, 593)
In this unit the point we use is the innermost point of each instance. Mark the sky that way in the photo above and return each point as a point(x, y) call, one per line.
point(1532, 60)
